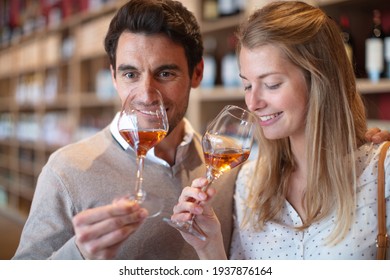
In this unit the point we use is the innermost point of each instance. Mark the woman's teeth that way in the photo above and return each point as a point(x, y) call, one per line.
point(269, 117)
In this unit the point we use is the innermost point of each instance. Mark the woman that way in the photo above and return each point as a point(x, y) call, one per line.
point(311, 194)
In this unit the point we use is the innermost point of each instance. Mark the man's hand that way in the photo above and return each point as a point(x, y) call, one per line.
point(377, 135)
point(101, 231)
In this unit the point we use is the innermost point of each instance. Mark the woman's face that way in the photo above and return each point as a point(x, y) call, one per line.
point(275, 90)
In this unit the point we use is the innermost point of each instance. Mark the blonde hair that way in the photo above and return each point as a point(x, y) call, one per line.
point(335, 121)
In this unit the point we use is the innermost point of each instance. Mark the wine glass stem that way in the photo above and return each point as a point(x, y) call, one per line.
point(138, 185)
point(210, 179)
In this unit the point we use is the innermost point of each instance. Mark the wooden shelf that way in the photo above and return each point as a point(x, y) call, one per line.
point(41, 93)
point(365, 86)
point(329, 2)
point(222, 23)
point(218, 93)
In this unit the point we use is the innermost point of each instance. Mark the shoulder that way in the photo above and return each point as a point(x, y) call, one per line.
point(247, 171)
point(370, 151)
point(83, 150)
point(367, 158)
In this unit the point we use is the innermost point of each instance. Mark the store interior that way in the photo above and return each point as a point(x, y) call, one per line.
point(55, 83)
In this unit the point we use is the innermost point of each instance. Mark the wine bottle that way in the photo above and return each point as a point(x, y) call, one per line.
point(210, 63)
point(230, 72)
point(375, 49)
point(347, 37)
point(227, 7)
point(387, 55)
point(210, 10)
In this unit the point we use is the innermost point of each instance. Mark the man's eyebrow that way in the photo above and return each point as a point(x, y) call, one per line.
point(167, 67)
point(126, 67)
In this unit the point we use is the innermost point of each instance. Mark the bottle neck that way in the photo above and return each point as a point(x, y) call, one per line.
point(377, 30)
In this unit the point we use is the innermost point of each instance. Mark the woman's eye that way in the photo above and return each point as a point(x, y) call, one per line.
point(248, 87)
point(273, 86)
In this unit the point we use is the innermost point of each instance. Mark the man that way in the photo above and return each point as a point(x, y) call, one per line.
point(79, 209)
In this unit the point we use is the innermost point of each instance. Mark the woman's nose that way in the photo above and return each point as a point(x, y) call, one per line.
point(254, 100)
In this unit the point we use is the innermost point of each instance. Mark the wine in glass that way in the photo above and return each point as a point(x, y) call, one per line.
point(143, 123)
point(226, 144)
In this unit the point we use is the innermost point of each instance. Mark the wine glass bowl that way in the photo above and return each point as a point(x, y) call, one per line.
point(227, 141)
point(143, 123)
point(226, 144)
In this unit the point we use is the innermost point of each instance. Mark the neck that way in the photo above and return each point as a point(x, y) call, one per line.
point(298, 148)
point(167, 148)
point(297, 181)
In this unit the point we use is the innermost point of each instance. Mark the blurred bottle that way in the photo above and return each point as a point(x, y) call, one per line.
point(210, 64)
point(210, 9)
point(229, 65)
point(387, 55)
point(227, 7)
point(375, 49)
point(347, 37)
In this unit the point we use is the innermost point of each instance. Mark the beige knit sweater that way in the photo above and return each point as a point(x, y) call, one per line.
point(92, 173)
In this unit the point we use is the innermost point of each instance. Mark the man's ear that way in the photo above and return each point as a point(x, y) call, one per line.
point(197, 75)
point(113, 77)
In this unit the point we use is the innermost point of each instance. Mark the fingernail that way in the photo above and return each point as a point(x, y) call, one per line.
point(201, 181)
point(202, 195)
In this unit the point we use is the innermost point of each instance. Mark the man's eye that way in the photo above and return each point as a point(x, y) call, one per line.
point(129, 75)
point(165, 74)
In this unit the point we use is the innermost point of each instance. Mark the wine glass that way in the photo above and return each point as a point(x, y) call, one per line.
point(143, 123)
point(226, 144)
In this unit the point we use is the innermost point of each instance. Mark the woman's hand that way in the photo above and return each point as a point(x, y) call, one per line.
point(377, 135)
point(205, 219)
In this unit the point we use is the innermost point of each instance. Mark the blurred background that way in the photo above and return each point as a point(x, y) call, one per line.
point(55, 84)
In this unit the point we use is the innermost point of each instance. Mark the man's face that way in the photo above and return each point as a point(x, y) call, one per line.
point(155, 61)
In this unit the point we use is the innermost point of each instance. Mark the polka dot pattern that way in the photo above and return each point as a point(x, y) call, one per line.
point(282, 241)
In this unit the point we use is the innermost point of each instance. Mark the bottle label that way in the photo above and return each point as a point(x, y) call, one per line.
point(374, 55)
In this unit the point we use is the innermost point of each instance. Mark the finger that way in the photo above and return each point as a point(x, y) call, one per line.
point(371, 132)
point(107, 244)
point(181, 217)
point(95, 215)
point(210, 193)
point(187, 207)
point(380, 137)
point(88, 232)
point(192, 194)
point(192, 199)
point(199, 183)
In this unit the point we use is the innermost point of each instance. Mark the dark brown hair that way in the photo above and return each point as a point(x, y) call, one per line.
point(157, 17)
